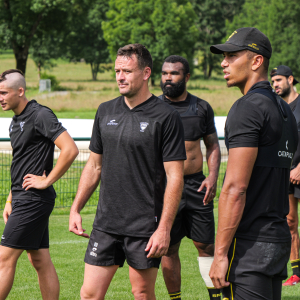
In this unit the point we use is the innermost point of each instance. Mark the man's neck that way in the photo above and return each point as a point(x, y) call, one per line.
point(182, 97)
point(142, 95)
point(245, 88)
point(291, 97)
point(18, 110)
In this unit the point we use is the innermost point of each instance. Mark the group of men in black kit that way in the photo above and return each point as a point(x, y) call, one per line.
point(146, 151)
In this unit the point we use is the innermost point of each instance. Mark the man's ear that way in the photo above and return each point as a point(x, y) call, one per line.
point(257, 61)
point(147, 73)
point(21, 92)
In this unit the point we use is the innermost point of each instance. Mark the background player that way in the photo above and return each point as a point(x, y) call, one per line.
point(34, 131)
point(195, 218)
point(253, 239)
point(283, 82)
point(137, 142)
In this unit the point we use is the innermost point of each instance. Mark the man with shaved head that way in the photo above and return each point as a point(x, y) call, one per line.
point(34, 131)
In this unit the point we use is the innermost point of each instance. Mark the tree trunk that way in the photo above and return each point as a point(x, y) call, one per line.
point(95, 70)
point(21, 55)
point(210, 70)
point(152, 82)
point(39, 70)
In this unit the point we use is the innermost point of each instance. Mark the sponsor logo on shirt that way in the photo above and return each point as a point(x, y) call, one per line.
point(285, 153)
point(143, 126)
point(112, 122)
point(22, 125)
point(2, 237)
point(11, 127)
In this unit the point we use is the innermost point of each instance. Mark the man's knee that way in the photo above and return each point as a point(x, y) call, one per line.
point(9, 256)
point(86, 294)
point(173, 250)
point(141, 293)
point(205, 249)
point(39, 258)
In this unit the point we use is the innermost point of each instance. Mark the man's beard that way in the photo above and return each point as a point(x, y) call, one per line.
point(285, 92)
point(175, 90)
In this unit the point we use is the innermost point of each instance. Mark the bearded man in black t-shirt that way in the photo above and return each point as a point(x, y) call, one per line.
point(137, 143)
point(195, 217)
point(253, 240)
point(34, 131)
point(283, 82)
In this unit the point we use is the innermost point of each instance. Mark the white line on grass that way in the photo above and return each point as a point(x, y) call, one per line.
point(69, 242)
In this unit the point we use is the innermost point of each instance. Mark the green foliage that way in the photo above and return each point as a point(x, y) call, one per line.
point(280, 21)
point(211, 19)
point(165, 27)
point(22, 22)
point(85, 40)
point(54, 82)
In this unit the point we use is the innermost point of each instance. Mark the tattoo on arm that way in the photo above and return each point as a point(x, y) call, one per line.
point(210, 140)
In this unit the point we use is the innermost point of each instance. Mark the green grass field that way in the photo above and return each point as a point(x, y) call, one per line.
point(68, 250)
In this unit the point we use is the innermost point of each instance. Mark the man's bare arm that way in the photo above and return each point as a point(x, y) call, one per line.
point(231, 206)
point(213, 158)
point(295, 175)
point(89, 181)
point(68, 153)
point(159, 242)
point(8, 207)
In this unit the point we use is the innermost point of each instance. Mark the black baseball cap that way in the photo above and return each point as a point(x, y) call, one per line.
point(284, 71)
point(246, 38)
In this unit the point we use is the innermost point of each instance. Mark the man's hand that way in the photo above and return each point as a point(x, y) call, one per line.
point(295, 175)
point(34, 181)
point(75, 224)
point(7, 211)
point(218, 272)
point(158, 244)
point(211, 188)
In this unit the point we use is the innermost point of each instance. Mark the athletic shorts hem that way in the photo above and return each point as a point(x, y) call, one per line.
point(21, 248)
point(104, 264)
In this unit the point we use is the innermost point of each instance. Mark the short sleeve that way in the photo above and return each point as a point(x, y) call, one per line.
point(173, 146)
point(96, 141)
point(210, 121)
point(243, 125)
point(47, 124)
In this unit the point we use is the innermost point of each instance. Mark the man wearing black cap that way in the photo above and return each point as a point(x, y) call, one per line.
point(253, 239)
point(283, 83)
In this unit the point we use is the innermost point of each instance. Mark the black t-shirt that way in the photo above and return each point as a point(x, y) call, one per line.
point(32, 135)
point(195, 126)
point(134, 143)
point(296, 158)
point(255, 121)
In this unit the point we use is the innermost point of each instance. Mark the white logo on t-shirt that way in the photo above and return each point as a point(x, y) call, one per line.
point(22, 125)
point(11, 127)
point(112, 122)
point(143, 126)
point(286, 145)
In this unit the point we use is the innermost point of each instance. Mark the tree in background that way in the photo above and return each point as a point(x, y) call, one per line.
point(23, 21)
point(85, 39)
point(165, 27)
point(280, 21)
point(211, 20)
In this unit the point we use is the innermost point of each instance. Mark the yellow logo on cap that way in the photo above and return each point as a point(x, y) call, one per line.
point(254, 46)
point(232, 35)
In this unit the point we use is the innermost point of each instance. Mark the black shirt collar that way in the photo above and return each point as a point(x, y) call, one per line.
point(260, 85)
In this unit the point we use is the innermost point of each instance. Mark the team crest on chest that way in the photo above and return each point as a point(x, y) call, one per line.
point(22, 125)
point(143, 126)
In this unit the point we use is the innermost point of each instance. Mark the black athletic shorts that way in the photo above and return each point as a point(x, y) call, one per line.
point(256, 270)
point(193, 219)
point(106, 249)
point(295, 190)
point(27, 225)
